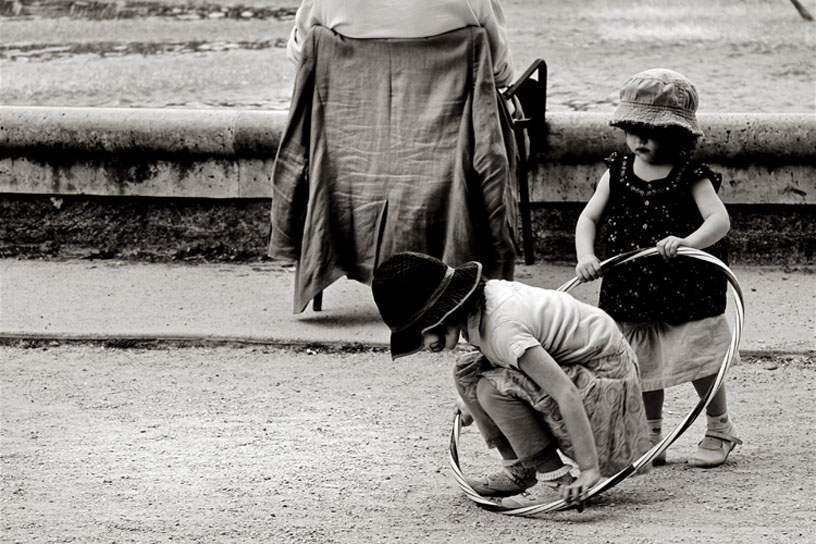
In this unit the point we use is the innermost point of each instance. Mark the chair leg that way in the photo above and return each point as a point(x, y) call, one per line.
point(526, 219)
point(524, 170)
point(532, 95)
point(317, 302)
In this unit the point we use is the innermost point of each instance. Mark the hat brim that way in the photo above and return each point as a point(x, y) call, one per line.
point(632, 112)
point(464, 281)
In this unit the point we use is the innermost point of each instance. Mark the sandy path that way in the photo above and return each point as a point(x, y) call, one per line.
point(249, 444)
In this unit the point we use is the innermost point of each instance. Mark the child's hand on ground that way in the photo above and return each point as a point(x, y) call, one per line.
point(461, 408)
point(576, 491)
point(668, 246)
point(588, 268)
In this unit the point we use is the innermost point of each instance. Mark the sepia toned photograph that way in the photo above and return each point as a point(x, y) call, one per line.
point(429, 271)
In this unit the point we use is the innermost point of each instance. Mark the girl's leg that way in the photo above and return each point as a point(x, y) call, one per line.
point(466, 376)
point(653, 403)
point(513, 478)
point(490, 432)
point(718, 404)
point(521, 425)
point(720, 434)
point(531, 440)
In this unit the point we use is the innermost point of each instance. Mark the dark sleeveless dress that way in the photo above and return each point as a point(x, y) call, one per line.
point(640, 214)
point(671, 311)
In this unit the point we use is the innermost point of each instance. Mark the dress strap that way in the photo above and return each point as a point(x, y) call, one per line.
point(699, 170)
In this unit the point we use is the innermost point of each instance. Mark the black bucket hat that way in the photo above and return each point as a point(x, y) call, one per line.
point(416, 292)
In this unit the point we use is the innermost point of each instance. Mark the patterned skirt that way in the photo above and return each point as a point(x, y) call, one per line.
point(609, 388)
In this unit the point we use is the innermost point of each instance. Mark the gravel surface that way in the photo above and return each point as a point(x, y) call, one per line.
point(240, 444)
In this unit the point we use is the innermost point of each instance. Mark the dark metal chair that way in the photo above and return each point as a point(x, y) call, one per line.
point(530, 130)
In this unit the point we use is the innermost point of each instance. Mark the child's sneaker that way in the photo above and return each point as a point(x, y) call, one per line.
point(544, 492)
point(510, 480)
point(713, 449)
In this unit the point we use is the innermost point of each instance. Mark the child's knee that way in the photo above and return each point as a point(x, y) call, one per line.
point(486, 392)
point(467, 373)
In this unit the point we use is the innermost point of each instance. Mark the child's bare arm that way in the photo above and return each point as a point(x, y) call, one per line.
point(716, 223)
point(589, 267)
point(544, 370)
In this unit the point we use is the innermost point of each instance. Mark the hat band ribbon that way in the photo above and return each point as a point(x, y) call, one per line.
point(431, 300)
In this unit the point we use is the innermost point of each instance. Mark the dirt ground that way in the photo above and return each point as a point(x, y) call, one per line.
point(240, 444)
point(255, 444)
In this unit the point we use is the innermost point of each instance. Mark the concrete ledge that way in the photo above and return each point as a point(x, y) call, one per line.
point(730, 138)
point(572, 137)
point(764, 158)
point(128, 174)
point(138, 152)
point(165, 184)
point(743, 183)
point(144, 132)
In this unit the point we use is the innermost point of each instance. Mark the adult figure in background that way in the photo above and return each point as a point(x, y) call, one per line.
point(397, 140)
point(405, 19)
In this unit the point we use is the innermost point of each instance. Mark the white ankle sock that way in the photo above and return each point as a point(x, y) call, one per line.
point(720, 423)
point(553, 474)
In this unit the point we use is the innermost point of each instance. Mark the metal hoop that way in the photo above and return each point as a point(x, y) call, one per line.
point(657, 449)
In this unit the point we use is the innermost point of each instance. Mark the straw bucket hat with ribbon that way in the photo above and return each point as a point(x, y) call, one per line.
point(658, 98)
point(415, 292)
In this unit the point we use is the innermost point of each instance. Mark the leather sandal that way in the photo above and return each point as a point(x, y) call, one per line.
point(713, 449)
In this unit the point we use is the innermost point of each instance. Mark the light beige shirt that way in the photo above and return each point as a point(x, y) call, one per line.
point(517, 317)
point(405, 19)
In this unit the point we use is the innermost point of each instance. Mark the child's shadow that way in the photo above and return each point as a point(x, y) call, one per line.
point(340, 316)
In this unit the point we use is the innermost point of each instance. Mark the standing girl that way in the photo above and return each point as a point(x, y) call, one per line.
point(554, 374)
point(671, 311)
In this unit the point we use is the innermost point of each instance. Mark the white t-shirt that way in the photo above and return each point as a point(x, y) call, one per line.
point(517, 317)
point(405, 19)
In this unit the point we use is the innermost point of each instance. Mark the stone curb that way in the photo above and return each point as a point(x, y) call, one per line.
point(158, 341)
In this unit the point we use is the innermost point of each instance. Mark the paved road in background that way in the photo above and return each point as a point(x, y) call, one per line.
point(100, 300)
